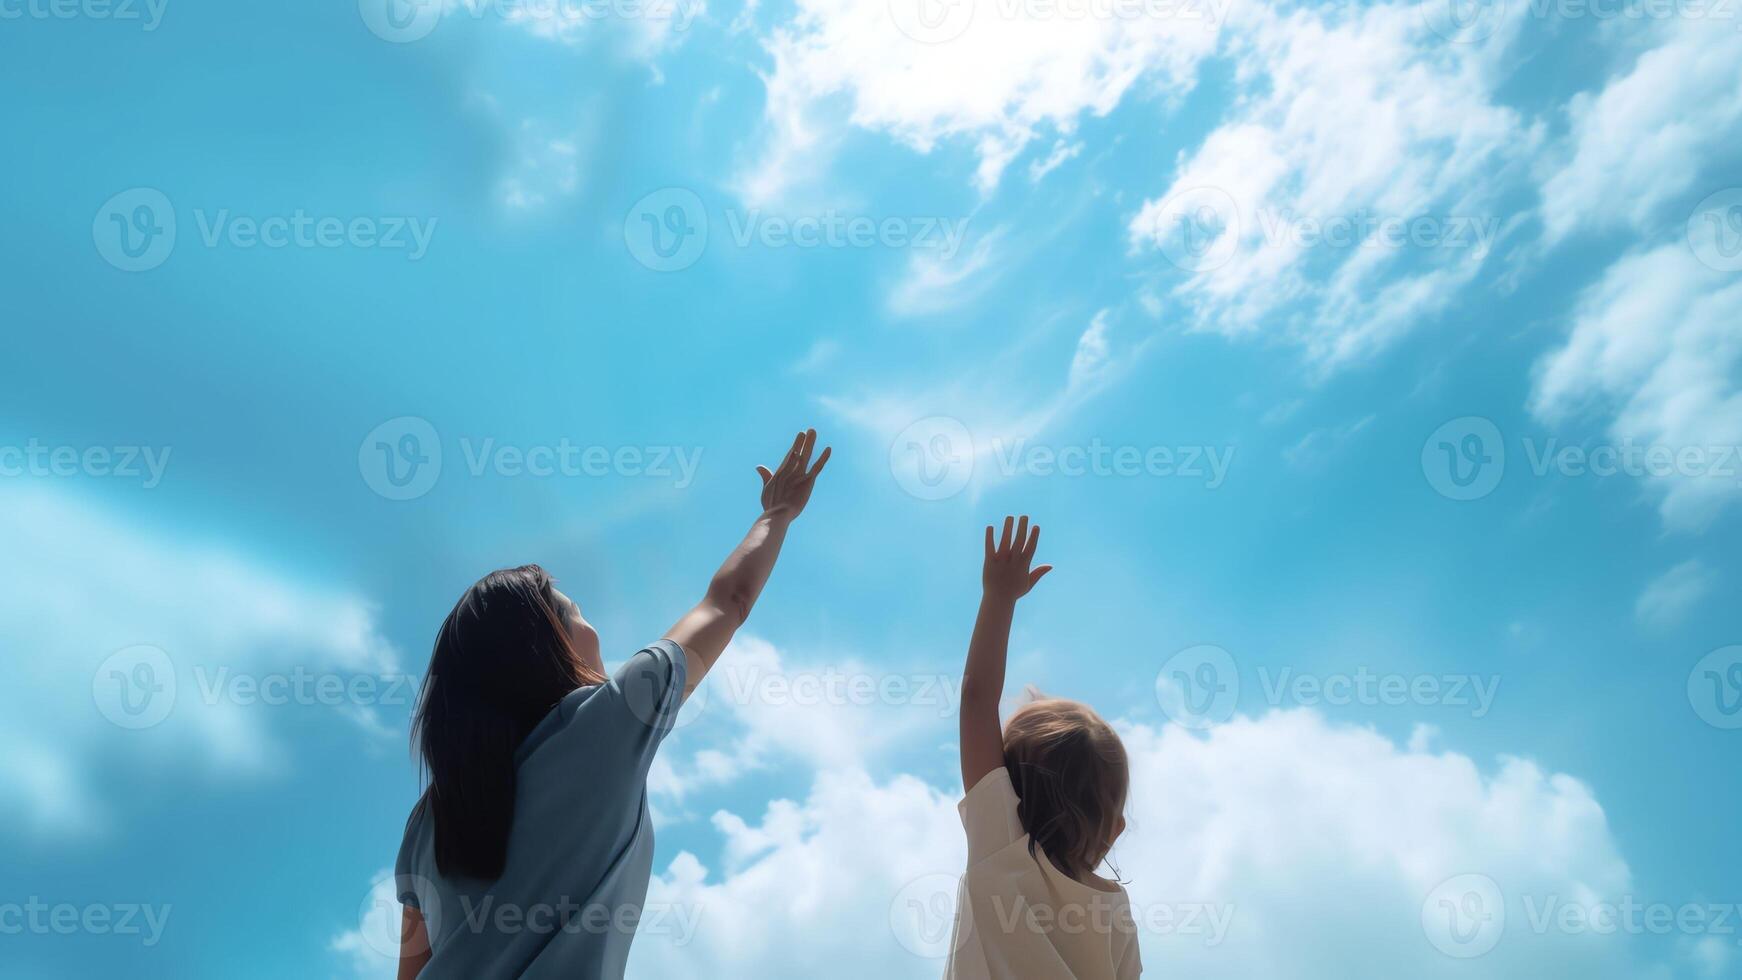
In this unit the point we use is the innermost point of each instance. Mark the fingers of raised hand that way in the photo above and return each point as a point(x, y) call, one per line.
point(807, 443)
point(818, 468)
point(790, 460)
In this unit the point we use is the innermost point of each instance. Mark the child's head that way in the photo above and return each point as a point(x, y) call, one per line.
point(1071, 776)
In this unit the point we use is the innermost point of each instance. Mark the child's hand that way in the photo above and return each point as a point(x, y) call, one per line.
point(787, 488)
point(1007, 575)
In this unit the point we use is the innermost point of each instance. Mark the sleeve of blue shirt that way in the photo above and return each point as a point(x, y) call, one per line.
point(650, 687)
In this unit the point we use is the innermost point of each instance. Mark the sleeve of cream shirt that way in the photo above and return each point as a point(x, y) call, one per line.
point(989, 816)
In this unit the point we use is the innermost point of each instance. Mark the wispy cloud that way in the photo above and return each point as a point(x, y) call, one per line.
point(993, 412)
point(1654, 348)
point(86, 585)
point(1316, 449)
point(1061, 152)
point(936, 282)
point(1671, 596)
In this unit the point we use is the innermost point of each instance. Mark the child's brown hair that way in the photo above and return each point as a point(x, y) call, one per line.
point(1071, 777)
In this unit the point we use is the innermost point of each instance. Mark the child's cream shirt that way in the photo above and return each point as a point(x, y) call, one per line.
point(1017, 916)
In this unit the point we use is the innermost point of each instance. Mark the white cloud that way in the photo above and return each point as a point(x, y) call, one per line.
point(545, 166)
point(1639, 142)
point(84, 582)
point(1322, 842)
point(822, 353)
point(1352, 116)
point(999, 418)
point(371, 948)
point(1655, 346)
point(1315, 450)
point(755, 707)
point(745, 20)
point(651, 25)
point(1061, 152)
point(1711, 955)
point(544, 161)
point(806, 891)
point(1092, 358)
point(45, 783)
point(937, 281)
point(1013, 73)
point(1670, 596)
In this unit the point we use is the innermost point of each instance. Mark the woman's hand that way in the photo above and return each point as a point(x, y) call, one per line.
point(786, 490)
point(1007, 574)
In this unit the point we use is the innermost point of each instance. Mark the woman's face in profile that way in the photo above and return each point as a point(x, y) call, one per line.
point(581, 632)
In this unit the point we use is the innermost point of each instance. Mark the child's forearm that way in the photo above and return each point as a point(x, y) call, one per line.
point(983, 675)
point(981, 733)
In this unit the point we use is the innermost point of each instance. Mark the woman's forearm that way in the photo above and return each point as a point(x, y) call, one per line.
point(735, 588)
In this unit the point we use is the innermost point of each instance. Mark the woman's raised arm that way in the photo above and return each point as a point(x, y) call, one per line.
point(704, 631)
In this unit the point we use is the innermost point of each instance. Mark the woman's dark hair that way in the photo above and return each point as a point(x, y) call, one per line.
point(1071, 776)
point(502, 661)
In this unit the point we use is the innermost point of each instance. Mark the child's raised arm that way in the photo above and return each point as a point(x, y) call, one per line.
point(1005, 579)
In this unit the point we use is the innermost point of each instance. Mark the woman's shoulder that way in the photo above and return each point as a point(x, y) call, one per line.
point(409, 866)
point(654, 667)
point(649, 685)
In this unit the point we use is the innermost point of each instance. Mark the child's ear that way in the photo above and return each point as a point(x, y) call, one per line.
point(1118, 828)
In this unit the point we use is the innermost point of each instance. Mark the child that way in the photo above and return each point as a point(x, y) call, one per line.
point(1045, 802)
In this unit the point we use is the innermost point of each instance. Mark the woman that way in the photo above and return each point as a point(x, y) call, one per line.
point(529, 853)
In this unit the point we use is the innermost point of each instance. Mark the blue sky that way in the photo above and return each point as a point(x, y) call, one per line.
point(1376, 366)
